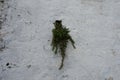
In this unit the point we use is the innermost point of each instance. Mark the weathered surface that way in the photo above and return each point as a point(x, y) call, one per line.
point(94, 25)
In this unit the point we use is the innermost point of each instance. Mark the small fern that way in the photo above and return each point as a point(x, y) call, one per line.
point(60, 39)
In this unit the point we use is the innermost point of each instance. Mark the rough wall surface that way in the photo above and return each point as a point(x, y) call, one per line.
point(94, 26)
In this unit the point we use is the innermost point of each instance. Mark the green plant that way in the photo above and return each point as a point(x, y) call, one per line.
point(60, 40)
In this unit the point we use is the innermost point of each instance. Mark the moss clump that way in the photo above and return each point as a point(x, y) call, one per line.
point(60, 39)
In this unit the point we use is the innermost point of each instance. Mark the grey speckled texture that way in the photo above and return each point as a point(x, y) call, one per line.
point(94, 25)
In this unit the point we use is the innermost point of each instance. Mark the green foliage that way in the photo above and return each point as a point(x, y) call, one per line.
point(60, 40)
